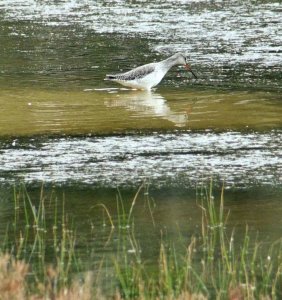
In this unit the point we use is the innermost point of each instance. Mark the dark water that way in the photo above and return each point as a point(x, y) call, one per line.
point(62, 124)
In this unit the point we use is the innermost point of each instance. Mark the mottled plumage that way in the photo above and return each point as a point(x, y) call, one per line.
point(147, 76)
point(134, 74)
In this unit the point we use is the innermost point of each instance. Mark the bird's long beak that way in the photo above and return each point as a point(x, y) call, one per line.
point(188, 68)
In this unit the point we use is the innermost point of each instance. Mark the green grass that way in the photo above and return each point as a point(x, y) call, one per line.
point(41, 245)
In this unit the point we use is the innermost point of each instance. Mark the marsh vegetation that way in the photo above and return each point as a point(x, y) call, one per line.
point(41, 254)
point(106, 192)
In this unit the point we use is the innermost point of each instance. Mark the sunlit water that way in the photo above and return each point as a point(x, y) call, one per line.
point(229, 43)
point(62, 124)
point(179, 160)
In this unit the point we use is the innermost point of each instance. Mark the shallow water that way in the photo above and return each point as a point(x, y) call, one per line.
point(63, 125)
point(242, 160)
point(77, 42)
point(27, 112)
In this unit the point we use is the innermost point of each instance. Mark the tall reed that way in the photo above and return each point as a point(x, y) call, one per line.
point(215, 264)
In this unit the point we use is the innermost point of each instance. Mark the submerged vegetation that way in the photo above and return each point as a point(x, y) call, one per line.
point(40, 258)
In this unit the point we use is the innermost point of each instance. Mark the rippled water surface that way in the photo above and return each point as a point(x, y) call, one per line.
point(179, 160)
point(62, 124)
point(229, 43)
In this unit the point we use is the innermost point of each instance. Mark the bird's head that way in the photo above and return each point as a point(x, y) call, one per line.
point(182, 60)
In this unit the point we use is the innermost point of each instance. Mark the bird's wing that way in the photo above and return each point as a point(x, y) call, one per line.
point(134, 74)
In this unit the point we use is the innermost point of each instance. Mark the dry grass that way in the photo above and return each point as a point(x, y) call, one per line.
point(13, 283)
point(13, 286)
point(12, 278)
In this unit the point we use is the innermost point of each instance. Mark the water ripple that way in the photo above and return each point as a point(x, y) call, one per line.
point(244, 37)
point(184, 159)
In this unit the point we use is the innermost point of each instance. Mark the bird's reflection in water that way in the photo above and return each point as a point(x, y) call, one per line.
point(148, 104)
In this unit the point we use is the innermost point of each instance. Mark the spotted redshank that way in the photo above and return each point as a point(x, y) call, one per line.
point(147, 76)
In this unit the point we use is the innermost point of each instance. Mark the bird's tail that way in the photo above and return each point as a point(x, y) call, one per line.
point(110, 77)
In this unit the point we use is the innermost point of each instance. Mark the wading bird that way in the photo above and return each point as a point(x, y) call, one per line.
point(147, 76)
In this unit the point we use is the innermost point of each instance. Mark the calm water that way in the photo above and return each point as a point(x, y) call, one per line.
point(62, 124)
